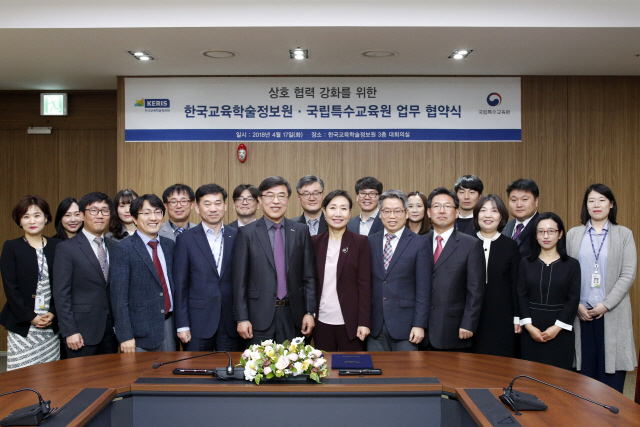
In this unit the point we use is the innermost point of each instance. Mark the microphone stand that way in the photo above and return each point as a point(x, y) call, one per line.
point(31, 415)
point(227, 373)
point(527, 402)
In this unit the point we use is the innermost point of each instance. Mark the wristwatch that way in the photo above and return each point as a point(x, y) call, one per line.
point(311, 314)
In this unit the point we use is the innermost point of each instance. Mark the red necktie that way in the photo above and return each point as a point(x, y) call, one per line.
point(165, 288)
point(438, 251)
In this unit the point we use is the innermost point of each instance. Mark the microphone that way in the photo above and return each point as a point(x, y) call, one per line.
point(527, 402)
point(227, 373)
point(31, 415)
point(157, 365)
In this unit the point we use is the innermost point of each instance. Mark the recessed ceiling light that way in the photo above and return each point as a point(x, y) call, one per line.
point(379, 53)
point(299, 53)
point(460, 53)
point(216, 54)
point(141, 55)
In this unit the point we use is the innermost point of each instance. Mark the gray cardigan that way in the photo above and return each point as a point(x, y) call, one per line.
point(620, 353)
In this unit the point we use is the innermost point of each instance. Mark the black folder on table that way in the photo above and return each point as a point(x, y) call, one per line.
point(351, 361)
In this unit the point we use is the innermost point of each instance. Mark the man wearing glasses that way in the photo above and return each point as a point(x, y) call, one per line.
point(310, 190)
point(81, 282)
point(178, 201)
point(142, 283)
point(458, 276)
point(245, 203)
point(368, 190)
point(400, 280)
point(274, 286)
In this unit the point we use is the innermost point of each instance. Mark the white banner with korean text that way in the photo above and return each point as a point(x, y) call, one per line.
point(322, 109)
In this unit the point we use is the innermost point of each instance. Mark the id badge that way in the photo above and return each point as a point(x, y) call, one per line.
point(595, 280)
point(40, 302)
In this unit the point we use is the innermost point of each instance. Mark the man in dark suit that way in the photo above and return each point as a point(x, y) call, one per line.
point(310, 190)
point(80, 282)
point(400, 280)
point(368, 222)
point(274, 287)
point(203, 275)
point(523, 206)
point(141, 282)
point(178, 202)
point(245, 203)
point(469, 189)
point(459, 276)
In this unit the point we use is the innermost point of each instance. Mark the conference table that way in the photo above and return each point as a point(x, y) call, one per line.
point(415, 388)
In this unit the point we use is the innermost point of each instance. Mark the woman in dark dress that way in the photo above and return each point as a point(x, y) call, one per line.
point(499, 322)
point(69, 219)
point(548, 295)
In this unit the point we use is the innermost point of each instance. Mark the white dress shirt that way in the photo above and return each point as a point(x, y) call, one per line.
point(445, 238)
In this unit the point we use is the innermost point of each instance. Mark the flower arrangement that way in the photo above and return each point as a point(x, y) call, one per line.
point(269, 360)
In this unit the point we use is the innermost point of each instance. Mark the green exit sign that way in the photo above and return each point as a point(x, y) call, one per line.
point(53, 104)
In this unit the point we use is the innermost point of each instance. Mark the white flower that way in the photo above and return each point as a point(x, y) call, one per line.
point(297, 341)
point(249, 374)
point(267, 370)
point(269, 351)
point(267, 342)
point(288, 371)
point(246, 354)
point(293, 357)
point(251, 365)
point(255, 355)
point(318, 363)
point(298, 367)
point(282, 363)
point(316, 353)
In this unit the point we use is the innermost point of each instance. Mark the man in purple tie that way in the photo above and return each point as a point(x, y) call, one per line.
point(458, 279)
point(274, 286)
point(523, 206)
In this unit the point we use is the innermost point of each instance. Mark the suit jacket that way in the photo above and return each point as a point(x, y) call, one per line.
point(354, 225)
point(137, 297)
point(255, 282)
point(619, 347)
point(524, 239)
point(400, 296)
point(459, 280)
point(19, 267)
point(322, 223)
point(465, 226)
point(203, 298)
point(167, 232)
point(80, 290)
point(353, 278)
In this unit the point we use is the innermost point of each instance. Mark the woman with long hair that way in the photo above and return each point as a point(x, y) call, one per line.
point(69, 219)
point(121, 223)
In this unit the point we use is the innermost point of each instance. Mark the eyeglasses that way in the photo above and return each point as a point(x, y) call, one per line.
point(184, 202)
point(316, 194)
point(551, 233)
point(438, 207)
point(270, 196)
point(242, 200)
point(387, 212)
point(157, 212)
point(95, 212)
point(368, 194)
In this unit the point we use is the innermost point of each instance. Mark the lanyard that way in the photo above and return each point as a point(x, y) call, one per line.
point(40, 266)
point(597, 254)
point(220, 251)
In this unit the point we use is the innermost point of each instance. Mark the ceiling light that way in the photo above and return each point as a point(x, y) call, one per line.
point(460, 53)
point(379, 53)
point(216, 54)
point(141, 55)
point(299, 53)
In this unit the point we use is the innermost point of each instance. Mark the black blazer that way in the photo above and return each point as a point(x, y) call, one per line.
point(353, 278)
point(459, 281)
point(354, 225)
point(322, 223)
point(524, 239)
point(203, 298)
point(19, 267)
point(255, 282)
point(80, 290)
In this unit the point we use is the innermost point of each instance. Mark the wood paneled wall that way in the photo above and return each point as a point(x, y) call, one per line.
point(78, 157)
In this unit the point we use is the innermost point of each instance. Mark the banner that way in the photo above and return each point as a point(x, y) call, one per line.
point(322, 109)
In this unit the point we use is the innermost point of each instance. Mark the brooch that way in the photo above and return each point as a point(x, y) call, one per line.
point(345, 250)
